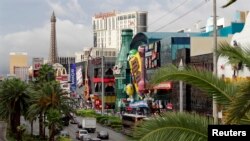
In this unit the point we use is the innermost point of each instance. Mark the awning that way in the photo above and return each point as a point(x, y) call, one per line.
point(106, 80)
point(138, 104)
point(163, 85)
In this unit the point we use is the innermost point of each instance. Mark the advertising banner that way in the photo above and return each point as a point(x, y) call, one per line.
point(37, 63)
point(79, 79)
point(136, 69)
point(73, 77)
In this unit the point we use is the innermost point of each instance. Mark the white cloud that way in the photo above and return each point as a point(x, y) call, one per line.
point(58, 8)
point(36, 42)
point(71, 10)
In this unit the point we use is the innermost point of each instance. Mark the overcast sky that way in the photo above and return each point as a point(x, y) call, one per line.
point(25, 24)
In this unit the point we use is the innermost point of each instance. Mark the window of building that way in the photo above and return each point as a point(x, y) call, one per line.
point(109, 23)
point(133, 15)
point(129, 16)
point(97, 53)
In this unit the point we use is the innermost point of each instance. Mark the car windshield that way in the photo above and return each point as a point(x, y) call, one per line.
point(83, 132)
point(64, 132)
point(103, 132)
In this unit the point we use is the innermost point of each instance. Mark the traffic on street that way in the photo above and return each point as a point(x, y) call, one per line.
point(71, 129)
point(113, 135)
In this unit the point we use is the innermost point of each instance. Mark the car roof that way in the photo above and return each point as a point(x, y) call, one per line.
point(97, 139)
point(64, 131)
point(83, 130)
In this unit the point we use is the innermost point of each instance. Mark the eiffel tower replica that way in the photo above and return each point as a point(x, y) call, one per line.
point(53, 46)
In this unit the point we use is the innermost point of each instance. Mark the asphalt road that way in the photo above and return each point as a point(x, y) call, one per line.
point(113, 136)
point(72, 128)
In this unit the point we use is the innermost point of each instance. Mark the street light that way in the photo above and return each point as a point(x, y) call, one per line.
point(181, 67)
point(102, 81)
point(215, 110)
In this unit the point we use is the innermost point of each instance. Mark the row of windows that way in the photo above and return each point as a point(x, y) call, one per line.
point(104, 24)
point(110, 23)
point(130, 16)
point(106, 53)
point(66, 60)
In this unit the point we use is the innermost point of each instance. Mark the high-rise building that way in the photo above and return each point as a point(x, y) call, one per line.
point(66, 61)
point(107, 27)
point(53, 46)
point(18, 59)
point(22, 73)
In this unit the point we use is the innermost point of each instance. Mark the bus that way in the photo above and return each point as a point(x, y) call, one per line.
point(129, 121)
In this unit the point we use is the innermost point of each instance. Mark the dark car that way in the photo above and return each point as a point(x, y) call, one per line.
point(79, 124)
point(74, 120)
point(103, 135)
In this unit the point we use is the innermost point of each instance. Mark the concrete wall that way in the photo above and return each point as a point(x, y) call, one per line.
point(204, 45)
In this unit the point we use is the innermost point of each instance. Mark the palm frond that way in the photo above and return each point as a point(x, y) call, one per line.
point(240, 106)
point(234, 54)
point(173, 127)
point(222, 91)
point(229, 3)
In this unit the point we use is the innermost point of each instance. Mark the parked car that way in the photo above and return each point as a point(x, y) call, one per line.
point(86, 138)
point(95, 139)
point(80, 133)
point(79, 124)
point(74, 120)
point(103, 135)
point(64, 133)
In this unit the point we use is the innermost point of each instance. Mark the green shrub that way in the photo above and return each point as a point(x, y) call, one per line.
point(116, 122)
point(63, 139)
point(86, 113)
point(103, 120)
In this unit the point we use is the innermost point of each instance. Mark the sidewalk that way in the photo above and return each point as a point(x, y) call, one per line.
point(3, 127)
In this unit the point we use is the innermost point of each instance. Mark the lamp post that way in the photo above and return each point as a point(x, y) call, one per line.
point(215, 110)
point(180, 67)
point(102, 81)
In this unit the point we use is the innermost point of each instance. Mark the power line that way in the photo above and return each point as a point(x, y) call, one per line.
point(176, 19)
point(172, 10)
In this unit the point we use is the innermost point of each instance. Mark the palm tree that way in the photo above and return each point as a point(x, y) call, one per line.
point(174, 127)
point(240, 106)
point(233, 97)
point(50, 96)
point(54, 120)
point(46, 74)
point(14, 98)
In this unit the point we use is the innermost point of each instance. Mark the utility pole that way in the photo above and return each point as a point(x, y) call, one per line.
point(102, 81)
point(181, 87)
point(215, 110)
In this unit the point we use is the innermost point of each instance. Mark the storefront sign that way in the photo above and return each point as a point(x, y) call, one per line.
point(138, 104)
point(164, 85)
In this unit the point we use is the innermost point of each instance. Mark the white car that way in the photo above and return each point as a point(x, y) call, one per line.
point(85, 138)
point(80, 133)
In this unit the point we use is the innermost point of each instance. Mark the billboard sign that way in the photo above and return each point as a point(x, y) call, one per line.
point(136, 69)
point(37, 63)
point(79, 80)
point(73, 77)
